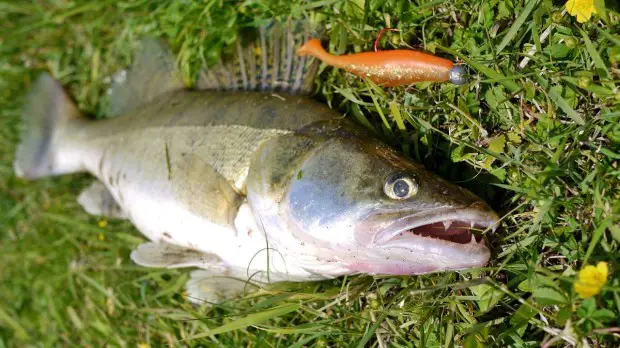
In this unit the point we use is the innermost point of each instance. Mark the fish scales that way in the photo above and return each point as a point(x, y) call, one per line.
point(222, 128)
point(161, 153)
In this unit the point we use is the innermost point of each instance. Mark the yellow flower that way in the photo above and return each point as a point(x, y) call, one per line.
point(591, 279)
point(582, 9)
point(102, 223)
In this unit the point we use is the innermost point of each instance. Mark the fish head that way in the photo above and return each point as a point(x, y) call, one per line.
point(359, 202)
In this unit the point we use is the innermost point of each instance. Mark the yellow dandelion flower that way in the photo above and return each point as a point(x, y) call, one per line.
point(100, 236)
point(102, 223)
point(591, 279)
point(582, 9)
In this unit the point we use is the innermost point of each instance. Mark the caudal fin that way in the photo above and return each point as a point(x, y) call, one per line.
point(45, 117)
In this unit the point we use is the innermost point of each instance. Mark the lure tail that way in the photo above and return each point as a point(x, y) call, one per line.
point(47, 117)
point(314, 48)
point(311, 48)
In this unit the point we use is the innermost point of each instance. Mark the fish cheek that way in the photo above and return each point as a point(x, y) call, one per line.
point(336, 188)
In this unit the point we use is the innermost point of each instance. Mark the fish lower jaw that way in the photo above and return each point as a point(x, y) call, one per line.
point(392, 263)
point(474, 250)
point(411, 254)
point(431, 247)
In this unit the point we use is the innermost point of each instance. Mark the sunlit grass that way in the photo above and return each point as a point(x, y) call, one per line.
point(536, 132)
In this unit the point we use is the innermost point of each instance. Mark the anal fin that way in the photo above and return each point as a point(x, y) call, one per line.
point(97, 200)
point(211, 284)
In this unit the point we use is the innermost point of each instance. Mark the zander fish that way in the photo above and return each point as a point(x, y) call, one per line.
point(245, 176)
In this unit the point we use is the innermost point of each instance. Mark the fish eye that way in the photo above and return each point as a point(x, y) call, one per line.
point(400, 186)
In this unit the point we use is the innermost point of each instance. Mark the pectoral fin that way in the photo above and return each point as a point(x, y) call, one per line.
point(203, 190)
point(165, 255)
point(213, 283)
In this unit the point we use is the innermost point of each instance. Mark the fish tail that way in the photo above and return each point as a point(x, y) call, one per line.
point(47, 115)
point(267, 64)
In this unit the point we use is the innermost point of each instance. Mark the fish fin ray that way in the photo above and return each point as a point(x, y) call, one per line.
point(152, 73)
point(97, 200)
point(47, 114)
point(166, 255)
point(206, 287)
point(267, 64)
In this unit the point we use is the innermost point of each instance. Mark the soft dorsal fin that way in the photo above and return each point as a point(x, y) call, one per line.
point(268, 64)
point(152, 73)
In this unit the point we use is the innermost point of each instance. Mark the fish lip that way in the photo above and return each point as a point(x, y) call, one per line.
point(392, 249)
point(486, 219)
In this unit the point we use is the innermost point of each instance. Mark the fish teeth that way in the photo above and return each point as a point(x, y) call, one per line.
point(473, 239)
point(446, 224)
point(472, 224)
point(494, 228)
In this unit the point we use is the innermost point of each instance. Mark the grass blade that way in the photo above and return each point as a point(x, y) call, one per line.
point(310, 328)
point(488, 72)
point(13, 324)
point(596, 236)
point(303, 342)
point(598, 61)
point(512, 32)
point(561, 102)
point(397, 116)
point(371, 331)
point(251, 319)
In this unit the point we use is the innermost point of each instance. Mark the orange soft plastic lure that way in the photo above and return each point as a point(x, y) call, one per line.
point(390, 68)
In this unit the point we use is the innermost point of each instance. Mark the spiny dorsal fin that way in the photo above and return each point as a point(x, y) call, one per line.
point(152, 73)
point(268, 64)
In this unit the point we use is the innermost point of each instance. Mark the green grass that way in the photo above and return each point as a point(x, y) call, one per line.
point(541, 144)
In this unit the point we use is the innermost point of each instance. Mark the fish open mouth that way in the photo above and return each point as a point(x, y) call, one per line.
point(460, 232)
point(425, 241)
point(459, 227)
